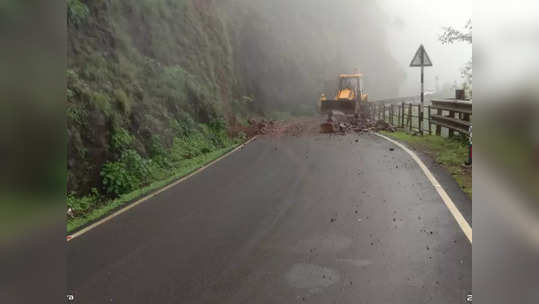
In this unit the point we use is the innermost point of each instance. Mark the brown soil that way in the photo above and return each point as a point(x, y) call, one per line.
point(337, 122)
point(278, 128)
point(334, 124)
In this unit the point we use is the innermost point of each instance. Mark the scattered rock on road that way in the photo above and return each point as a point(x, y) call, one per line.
point(339, 123)
point(336, 123)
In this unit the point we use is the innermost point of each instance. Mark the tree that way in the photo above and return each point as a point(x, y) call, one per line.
point(452, 35)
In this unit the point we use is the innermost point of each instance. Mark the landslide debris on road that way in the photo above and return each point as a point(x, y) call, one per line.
point(337, 122)
point(277, 128)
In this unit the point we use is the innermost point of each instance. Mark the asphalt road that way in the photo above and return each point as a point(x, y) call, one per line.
point(318, 219)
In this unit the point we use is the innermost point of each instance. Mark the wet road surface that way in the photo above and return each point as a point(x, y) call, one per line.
point(317, 219)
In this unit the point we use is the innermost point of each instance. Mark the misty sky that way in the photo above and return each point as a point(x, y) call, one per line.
point(420, 21)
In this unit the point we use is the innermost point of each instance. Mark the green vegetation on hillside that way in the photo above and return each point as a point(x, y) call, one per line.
point(93, 206)
point(151, 96)
point(451, 153)
point(150, 84)
point(154, 84)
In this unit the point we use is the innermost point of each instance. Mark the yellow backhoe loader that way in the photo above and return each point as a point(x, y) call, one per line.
point(350, 98)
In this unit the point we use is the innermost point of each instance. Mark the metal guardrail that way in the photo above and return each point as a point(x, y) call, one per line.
point(453, 114)
point(409, 99)
point(458, 117)
point(398, 100)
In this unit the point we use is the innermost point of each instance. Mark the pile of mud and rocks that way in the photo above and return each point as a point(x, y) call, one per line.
point(262, 126)
point(279, 128)
point(337, 122)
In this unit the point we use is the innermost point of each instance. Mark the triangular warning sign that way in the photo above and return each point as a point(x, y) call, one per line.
point(421, 56)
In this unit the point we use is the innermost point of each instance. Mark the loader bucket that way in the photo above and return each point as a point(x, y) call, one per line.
point(345, 106)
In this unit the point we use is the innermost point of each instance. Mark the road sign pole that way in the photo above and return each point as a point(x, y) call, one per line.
point(421, 59)
point(422, 95)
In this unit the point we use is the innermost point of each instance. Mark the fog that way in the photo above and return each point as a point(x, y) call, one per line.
point(291, 51)
point(416, 22)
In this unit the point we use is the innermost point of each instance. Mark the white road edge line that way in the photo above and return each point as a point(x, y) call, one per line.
point(140, 201)
point(466, 228)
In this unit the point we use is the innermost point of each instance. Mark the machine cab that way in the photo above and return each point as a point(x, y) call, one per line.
point(350, 86)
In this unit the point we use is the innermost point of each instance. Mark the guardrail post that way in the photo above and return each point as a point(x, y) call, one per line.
point(469, 162)
point(420, 118)
point(407, 118)
point(402, 115)
point(398, 117)
point(430, 126)
point(392, 115)
point(451, 132)
point(410, 116)
point(466, 117)
point(438, 127)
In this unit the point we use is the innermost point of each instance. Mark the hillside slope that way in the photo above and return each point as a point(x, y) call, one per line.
point(141, 75)
point(152, 83)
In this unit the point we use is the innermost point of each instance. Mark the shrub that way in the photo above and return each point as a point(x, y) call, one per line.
point(77, 12)
point(136, 165)
point(191, 146)
point(81, 204)
point(126, 174)
point(116, 179)
point(156, 147)
point(218, 123)
point(121, 140)
point(242, 136)
point(158, 153)
point(76, 113)
point(184, 125)
point(76, 203)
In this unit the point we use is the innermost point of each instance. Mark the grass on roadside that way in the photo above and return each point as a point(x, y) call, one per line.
point(102, 208)
point(450, 153)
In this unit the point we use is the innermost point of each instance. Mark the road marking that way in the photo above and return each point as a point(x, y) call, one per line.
point(140, 201)
point(463, 224)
